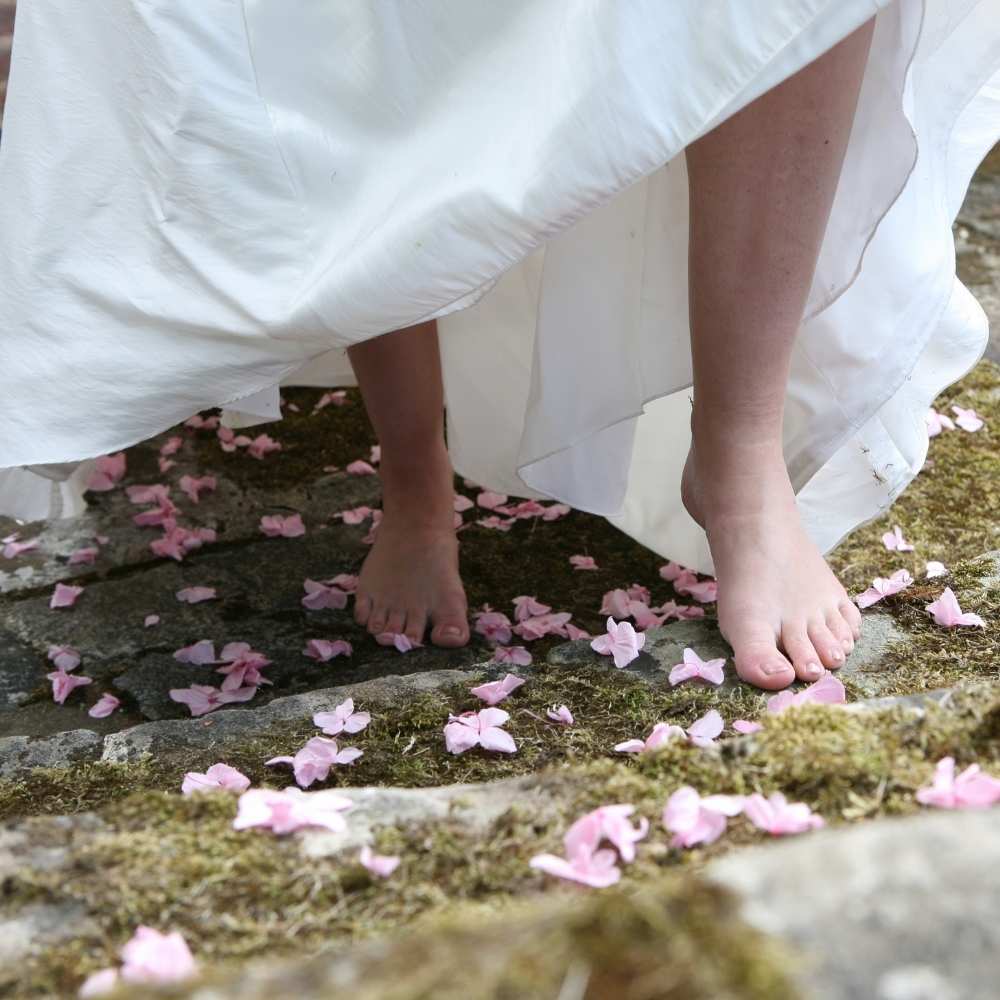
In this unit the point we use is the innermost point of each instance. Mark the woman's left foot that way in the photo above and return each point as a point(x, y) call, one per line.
point(780, 606)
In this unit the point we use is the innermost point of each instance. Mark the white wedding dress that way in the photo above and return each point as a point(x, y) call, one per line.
point(201, 200)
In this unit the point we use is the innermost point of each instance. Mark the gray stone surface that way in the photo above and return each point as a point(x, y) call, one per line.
point(475, 807)
point(21, 671)
point(865, 668)
point(37, 927)
point(233, 510)
point(235, 725)
point(665, 646)
point(888, 910)
point(20, 754)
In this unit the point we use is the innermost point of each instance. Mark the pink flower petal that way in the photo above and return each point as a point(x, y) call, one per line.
point(489, 500)
point(105, 705)
point(150, 620)
point(336, 398)
point(198, 653)
point(109, 472)
point(359, 467)
point(64, 657)
point(528, 607)
point(695, 668)
point(194, 486)
point(597, 870)
point(64, 596)
point(745, 726)
point(382, 865)
point(195, 595)
point(277, 526)
point(968, 420)
point(63, 684)
point(343, 719)
point(496, 691)
point(777, 816)
point(703, 732)
point(290, 810)
point(560, 714)
point(260, 446)
point(218, 778)
point(320, 596)
point(946, 611)
point(621, 642)
point(894, 541)
point(325, 649)
point(583, 562)
point(827, 690)
point(99, 983)
point(202, 698)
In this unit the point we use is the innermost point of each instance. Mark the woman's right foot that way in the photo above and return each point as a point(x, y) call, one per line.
point(410, 579)
point(780, 606)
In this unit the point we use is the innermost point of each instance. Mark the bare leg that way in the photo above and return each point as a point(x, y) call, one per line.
point(761, 188)
point(411, 577)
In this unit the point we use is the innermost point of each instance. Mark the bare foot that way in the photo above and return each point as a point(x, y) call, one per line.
point(410, 578)
point(780, 607)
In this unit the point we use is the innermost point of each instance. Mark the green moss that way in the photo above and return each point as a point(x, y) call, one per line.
point(678, 939)
point(404, 744)
point(949, 511)
point(175, 862)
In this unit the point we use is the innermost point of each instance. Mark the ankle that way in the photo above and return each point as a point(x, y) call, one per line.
point(417, 489)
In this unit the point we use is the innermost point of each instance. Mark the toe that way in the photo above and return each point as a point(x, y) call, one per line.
point(377, 619)
point(829, 647)
point(451, 624)
point(394, 622)
point(757, 659)
point(416, 625)
point(852, 616)
point(801, 651)
point(362, 608)
point(836, 623)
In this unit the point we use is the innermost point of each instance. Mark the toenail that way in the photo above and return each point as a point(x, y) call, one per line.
point(837, 655)
point(848, 645)
point(774, 668)
point(813, 670)
point(451, 630)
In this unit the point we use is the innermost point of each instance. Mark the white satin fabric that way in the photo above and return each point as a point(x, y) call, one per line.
point(203, 199)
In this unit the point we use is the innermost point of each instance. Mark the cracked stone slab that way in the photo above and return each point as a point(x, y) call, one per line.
point(234, 725)
point(21, 754)
point(233, 510)
point(260, 589)
point(895, 909)
point(261, 580)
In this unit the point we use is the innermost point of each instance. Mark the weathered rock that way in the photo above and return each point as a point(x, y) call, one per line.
point(664, 648)
point(236, 725)
point(989, 563)
point(36, 927)
point(29, 847)
point(233, 510)
point(889, 910)
point(866, 667)
point(474, 806)
point(19, 754)
point(20, 672)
